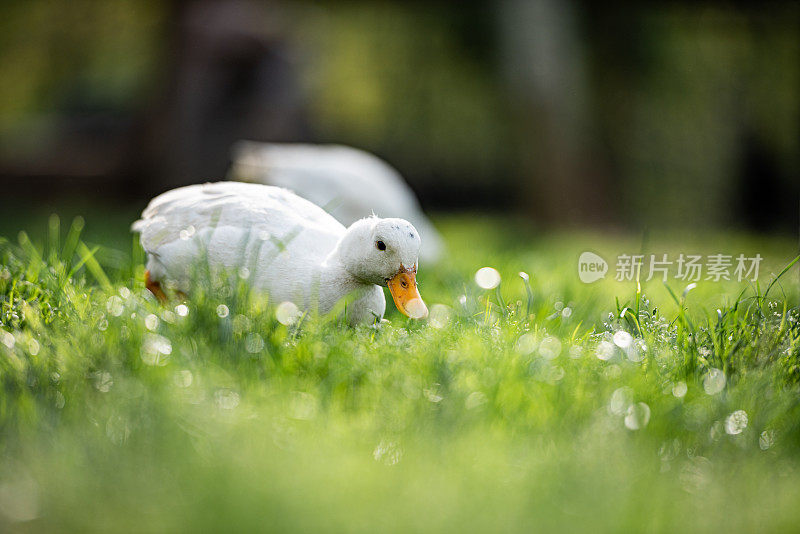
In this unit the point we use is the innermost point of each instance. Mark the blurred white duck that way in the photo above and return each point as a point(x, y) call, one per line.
point(292, 249)
point(347, 182)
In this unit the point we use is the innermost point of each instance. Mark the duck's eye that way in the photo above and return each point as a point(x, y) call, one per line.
point(380, 245)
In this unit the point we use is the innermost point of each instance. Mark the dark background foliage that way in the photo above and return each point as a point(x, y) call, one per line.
point(676, 115)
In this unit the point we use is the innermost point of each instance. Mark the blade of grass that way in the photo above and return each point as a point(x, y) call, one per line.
point(92, 265)
point(71, 242)
point(780, 274)
point(34, 258)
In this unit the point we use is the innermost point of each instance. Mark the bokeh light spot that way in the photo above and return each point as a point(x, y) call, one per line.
point(440, 316)
point(550, 347)
point(714, 381)
point(623, 339)
point(487, 278)
point(736, 422)
point(287, 313)
point(638, 416)
point(151, 322)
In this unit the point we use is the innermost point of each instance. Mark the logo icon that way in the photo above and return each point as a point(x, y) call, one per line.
point(591, 267)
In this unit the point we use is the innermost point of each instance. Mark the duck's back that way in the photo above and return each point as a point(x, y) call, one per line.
point(347, 182)
point(279, 238)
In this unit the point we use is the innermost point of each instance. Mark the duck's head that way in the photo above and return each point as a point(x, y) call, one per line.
point(384, 252)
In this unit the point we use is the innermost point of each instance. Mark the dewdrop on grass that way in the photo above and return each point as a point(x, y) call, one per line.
point(526, 343)
point(620, 401)
point(183, 378)
point(638, 416)
point(254, 343)
point(605, 350)
point(151, 322)
point(114, 306)
point(226, 399)
point(156, 350)
point(487, 278)
point(736, 422)
point(679, 389)
point(439, 316)
point(7, 338)
point(550, 347)
point(766, 439)
point(287, 313)
point(714, 381)
point(623, 339)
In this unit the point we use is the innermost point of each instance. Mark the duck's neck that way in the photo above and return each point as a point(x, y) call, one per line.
point(335, 282)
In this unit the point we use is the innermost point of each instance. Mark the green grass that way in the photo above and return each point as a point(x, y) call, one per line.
point(120, 414)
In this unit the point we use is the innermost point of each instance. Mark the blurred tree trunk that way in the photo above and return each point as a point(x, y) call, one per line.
point(545, 69)
point(230, 77)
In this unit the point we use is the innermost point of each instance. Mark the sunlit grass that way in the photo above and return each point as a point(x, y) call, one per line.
point(541, 404)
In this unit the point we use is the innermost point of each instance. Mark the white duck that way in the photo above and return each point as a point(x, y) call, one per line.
point(293, 250)
point(347, 182)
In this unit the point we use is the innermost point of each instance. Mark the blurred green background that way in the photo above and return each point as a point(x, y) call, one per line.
point(534, 131)
point(665, 115)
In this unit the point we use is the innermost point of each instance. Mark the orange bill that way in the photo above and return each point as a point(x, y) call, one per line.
point(403, 287)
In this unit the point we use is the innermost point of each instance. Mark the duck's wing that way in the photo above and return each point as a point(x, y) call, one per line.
point(182, 212)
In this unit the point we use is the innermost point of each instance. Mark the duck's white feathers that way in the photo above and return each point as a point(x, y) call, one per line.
point(273, 209)
point(347, 182)
point(281, 241)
